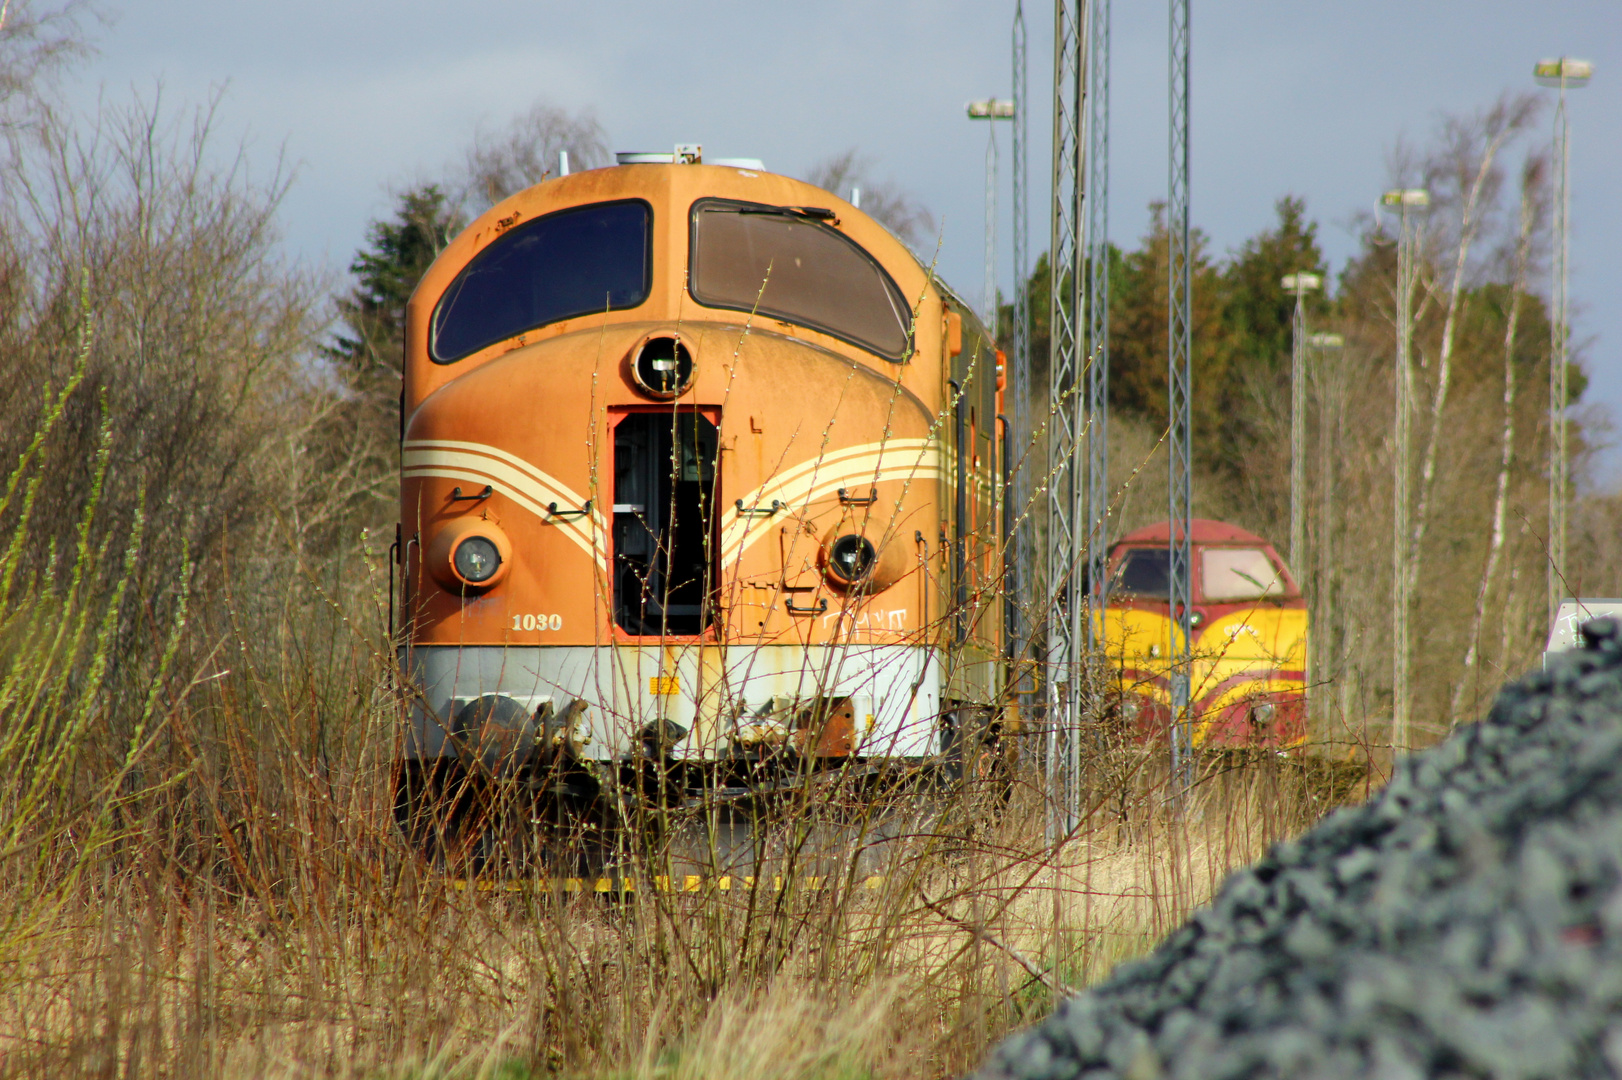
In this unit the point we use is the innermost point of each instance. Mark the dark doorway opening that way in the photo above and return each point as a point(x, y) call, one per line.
point(665, 523)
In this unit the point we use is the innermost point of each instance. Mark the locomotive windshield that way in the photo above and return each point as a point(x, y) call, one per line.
point(574, 262)
point(813, 275)
point(1144, 573)
point(1239, 574)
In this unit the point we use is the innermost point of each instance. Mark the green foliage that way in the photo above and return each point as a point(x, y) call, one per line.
point(1138, 334)
point(387, 271)
point(1256, 309)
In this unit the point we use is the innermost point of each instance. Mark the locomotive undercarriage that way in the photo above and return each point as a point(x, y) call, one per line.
point(603, 700)
point(501, 777)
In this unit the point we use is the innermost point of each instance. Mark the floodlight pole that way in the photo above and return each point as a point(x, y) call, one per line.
point(1066, 579)
point(1402, 201)
point(1299, 284)
point(989, 304)
point(1179, 379)
point(992, 109)
point(1562, 74)
point(1323, 537)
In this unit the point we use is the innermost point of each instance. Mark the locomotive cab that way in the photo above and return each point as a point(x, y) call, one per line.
point(1248, 624)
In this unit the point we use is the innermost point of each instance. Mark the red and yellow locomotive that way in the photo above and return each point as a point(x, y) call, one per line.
point(1247, 678)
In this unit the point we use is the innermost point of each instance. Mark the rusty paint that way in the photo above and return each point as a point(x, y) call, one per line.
point(826, 732)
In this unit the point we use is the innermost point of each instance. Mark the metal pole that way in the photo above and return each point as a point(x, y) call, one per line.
point(1563, 74)
point(1401, 458)
point(1327, 630)
point(1179, 378)
point(1320, 638)
point(1066, 535)
point(1097, 307)
point(1020, 375)
point(1402, 201)
point(1298, 429)
point(1559, 346)
point(1320, 603)
point(990, 305)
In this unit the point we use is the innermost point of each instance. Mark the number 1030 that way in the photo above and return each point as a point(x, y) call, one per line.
point(537, 622)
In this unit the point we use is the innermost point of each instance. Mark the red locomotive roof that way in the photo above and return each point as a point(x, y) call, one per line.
point(1202, 531)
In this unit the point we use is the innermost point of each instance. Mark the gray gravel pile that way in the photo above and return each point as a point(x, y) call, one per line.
point(1465, 922)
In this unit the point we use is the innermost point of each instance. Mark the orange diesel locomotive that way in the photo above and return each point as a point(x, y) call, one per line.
point(699, 465)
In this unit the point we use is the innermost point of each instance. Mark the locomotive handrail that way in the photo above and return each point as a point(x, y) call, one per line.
point(584, 511)
point(457, 496)
point(858, 500)
point(822, 606)
point(756, 511)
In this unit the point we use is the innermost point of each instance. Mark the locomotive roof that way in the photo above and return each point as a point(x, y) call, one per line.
point(670, 191)
point(1201, 531)
point(677, 187)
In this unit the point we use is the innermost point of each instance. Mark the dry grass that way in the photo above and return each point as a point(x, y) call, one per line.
point(249, 911)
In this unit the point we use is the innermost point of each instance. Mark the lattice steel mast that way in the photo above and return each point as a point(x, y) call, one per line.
point(1019, 381)
point(1066, 523)
point(1097, 309)
point(1179, 343)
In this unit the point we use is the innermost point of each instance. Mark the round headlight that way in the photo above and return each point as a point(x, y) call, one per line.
point(477, 559)
point(851, 558)
point(662, 367)
point(468, 553)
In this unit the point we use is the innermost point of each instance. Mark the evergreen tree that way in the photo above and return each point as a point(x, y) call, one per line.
point(370, 351)
point(1138, 336)
point(1258, 311)
point(1258, 314)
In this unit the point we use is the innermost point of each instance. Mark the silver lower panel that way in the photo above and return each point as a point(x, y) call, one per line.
point(895, 690)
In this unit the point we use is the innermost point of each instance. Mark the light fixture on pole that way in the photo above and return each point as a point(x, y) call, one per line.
point(1562, 74)
point(1299, 284)
point(991, 109)
point(1407, 203)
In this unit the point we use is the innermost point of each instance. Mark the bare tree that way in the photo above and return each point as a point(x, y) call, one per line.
point(199, 355)
point(884, 200)
point(35, 42)
point(1532, 196)
point(1466, 176)
point(525, 152)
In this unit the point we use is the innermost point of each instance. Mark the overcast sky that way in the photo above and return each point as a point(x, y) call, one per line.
point(1289, 97)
